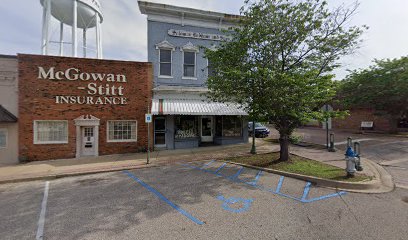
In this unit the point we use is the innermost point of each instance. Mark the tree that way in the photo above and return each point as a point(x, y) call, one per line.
point(279, 60)
point(383, 87)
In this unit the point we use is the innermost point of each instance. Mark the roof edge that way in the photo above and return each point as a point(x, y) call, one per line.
point(151, 8)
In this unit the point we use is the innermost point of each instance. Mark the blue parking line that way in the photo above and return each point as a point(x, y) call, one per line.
point(276, 191)
point(255, 182)
point(220, 168)
point(306, 191)
point(163, 198)
point(237, 174)
point(337, 194)
point(205, 165)
point(278, 188)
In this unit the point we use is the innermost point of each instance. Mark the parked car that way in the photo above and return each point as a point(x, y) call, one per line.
point(260, 130)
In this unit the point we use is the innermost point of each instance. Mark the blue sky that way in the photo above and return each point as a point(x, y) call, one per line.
point(125, 34)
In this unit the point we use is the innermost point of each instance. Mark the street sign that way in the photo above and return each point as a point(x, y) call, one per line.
point(148, 118)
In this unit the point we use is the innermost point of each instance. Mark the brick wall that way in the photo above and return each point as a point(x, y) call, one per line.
point(353, 121)
point(37, 102)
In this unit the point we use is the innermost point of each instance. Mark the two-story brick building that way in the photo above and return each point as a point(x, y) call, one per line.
point(184, 117)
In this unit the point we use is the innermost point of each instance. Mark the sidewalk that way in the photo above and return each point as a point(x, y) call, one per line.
point(88, 165)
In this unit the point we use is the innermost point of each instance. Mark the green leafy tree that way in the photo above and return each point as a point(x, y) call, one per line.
point(383, 86)
point(279, 60)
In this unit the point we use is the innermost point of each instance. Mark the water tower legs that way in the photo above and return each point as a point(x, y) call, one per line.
point(61, 50)
point(45, 26)
point(98, 37)
point(84, 41)
point(74, 28)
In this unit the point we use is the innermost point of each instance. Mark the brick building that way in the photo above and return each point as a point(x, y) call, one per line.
point(73, 107)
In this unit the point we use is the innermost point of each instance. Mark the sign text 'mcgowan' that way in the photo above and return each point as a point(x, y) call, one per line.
point(100, 91)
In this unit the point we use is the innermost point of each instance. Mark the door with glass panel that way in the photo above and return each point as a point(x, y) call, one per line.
point(88, 141)
point(160, 132)
point(207, 129)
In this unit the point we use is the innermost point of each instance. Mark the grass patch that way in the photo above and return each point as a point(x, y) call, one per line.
point(300, 144)
point(299, 165)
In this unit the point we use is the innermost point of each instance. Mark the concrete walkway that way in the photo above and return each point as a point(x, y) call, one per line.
point(87, 165)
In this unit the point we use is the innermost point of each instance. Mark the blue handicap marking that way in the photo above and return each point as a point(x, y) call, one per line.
point(246, 203)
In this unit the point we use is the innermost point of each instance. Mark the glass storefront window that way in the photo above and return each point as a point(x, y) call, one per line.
point(186, 127)
point(232, 126)
point(228, 126)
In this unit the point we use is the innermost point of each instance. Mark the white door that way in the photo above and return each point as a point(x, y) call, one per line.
point(88, 141)
point(207, 129)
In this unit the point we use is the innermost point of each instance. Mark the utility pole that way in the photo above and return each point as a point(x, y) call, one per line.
point(148, 136)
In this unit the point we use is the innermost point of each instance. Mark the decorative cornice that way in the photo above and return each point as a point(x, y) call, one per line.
point(165, 45)
point(189, 47)
point(87, 120)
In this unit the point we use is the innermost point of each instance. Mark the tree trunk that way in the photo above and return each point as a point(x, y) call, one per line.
point(284, 147)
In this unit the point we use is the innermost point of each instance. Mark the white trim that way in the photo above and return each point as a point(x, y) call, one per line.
point(171, 63)
point(120, 140)
point(195, 66)
point(189, 22)
point(188, 78)
point(35, 141)
point(5, 130)
point(164, 76)
point(189, 47)
point(165, 45)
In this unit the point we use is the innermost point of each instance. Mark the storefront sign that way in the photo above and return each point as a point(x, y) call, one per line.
point(197, 35)
point(100, 89)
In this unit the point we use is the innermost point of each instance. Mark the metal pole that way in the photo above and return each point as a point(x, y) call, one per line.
point(61, 38)
point(46, 26)
point(327, 127)
point(253, 149)
point(84, 42)
point(98, 37)
point(148, 136)
point(74, 28)
point(43, 29)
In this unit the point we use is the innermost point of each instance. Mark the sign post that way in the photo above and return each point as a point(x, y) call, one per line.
point(148, 120)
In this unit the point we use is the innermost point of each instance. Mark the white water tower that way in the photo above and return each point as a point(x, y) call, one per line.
point(82, 14)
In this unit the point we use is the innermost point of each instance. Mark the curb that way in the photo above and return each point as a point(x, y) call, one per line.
point(75, 173)
point(382, 182)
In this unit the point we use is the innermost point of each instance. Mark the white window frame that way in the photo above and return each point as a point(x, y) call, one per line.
point(171, 63)
point(195, 65)
point(49, 142)
point(5, 130)
point(120, 140)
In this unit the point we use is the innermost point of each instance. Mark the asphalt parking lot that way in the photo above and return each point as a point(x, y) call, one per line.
point(200, 200)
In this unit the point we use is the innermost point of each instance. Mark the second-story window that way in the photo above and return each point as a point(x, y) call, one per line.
point(165, 62)
point(189, 64)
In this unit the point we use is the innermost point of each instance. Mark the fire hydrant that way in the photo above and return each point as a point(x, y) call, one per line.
point(351, 160)
point(357, 154)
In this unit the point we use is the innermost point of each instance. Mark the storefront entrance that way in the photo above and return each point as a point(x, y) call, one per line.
point(87, 136)
point(88, 141)
point(207, 129)
point(160, 132)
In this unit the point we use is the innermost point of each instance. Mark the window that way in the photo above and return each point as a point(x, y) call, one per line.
point(228, 126)
point(122, 131)
point(165, 62)
point(50, 132)
point(3, 138)
point(186, 127)
point(189, 64)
